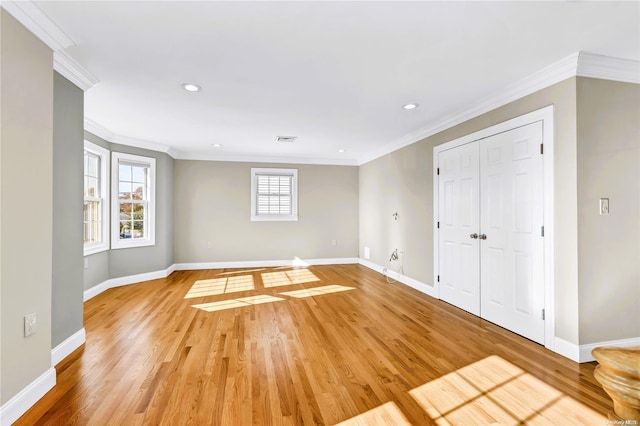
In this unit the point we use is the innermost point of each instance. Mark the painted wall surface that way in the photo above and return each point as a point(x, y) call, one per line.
point(402, 181)
point(608, 246)
point(213, 204)
point(67, 285)
point(26, 146)
point(132, 261)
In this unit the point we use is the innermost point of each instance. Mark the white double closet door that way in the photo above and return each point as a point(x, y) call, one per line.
point(490, 202)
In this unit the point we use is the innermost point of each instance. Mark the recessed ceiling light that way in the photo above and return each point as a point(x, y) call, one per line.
point(216, 145)
point(190, 87)
point(341, 150)
point(410, 106)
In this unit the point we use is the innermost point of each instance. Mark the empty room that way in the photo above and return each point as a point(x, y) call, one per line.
point(319, 212)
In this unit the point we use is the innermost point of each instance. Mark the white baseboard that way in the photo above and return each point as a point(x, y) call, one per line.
point(19, 404)
point(129, 279)
point(418, 285)
point(264, 263)
point(582, 353)
point(585, 350)
point(65, 348)
point(566, 349)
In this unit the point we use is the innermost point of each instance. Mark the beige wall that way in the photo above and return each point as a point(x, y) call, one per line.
point(26, 144)
point(402, 181)
point(212, 204)
point(608, 246)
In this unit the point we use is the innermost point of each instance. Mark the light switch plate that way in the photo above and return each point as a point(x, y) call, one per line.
point(604, 206)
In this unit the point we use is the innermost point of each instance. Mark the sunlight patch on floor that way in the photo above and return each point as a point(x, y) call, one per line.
point(495, 391)
point(216, 286)
point(316, 291)
point(384, 415)
point(221, 305)
point(283, 278)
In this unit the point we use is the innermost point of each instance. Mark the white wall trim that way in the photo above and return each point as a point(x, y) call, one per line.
point(403, 279)
point(20, 403)
point(567, 349)
point(264, 263)
point(582, 353)
point(126, 280)
point(585, 350)
point(35, 20)
point(608, 68)
point(73, 71)
point(65, 348)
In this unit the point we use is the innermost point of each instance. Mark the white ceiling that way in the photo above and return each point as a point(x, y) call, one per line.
point(334, 74)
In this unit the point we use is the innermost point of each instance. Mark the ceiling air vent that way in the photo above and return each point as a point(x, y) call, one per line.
point(287, 139)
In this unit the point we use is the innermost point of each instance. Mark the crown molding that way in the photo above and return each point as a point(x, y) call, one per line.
point(97, 129)
point(583, 64)
point(36, 21)
point(183, 155)
point(140, 143)
point(73, 71)
point(608, 68)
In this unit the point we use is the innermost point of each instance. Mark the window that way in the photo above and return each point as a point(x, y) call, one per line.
point(274, 194)
point(133, 211)
point(96, 199)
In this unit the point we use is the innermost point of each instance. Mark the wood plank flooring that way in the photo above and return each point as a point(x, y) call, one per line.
point(317, 345)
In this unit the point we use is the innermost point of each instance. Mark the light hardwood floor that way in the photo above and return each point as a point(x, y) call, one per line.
point(322, 345)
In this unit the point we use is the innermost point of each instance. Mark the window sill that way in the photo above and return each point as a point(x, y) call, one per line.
point(93, 249)
point(274, 218)
point(116, 245)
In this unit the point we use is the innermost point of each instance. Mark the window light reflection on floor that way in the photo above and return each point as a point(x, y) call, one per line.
point(386, 414)
point(283, 278)
point(215, 286)
point(221, 305)
point(495, 391)
point(316, 291)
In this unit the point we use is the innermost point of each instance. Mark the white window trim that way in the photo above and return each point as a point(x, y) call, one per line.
point(294, 195)
point(150, 225)
point(93, 248)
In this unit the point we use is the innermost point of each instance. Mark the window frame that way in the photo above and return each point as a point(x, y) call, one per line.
point(103, 184)
point(255, 217)
point(149, 238)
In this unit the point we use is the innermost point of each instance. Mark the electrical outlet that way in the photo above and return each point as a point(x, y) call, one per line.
point(334, 242)
point(29, 324)
point(367, 253)
point(209, 244)
point(604, 206)
point(86, 263)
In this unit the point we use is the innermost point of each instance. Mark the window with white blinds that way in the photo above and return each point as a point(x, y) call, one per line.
point(274, 194)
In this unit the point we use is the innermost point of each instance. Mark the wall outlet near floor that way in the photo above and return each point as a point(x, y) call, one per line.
point(29, 324)
point(209, 244)
point(334, 242)
point(367, 253)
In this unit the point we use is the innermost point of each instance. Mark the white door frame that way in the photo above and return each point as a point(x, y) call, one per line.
point(546, 116)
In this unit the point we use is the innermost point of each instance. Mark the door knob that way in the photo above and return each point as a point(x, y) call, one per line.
point(482, 236)
point(474, 236)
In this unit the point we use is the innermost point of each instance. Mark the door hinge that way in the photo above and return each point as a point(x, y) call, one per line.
point(438, 171)
point(438, 278)
point(542, 231)
point(543, 314)
point(541, 148)
point(438, 225)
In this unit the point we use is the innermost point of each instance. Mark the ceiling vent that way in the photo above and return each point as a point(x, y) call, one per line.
point(286, 139)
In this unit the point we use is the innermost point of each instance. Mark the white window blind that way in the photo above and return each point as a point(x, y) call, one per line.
point(274, 194)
